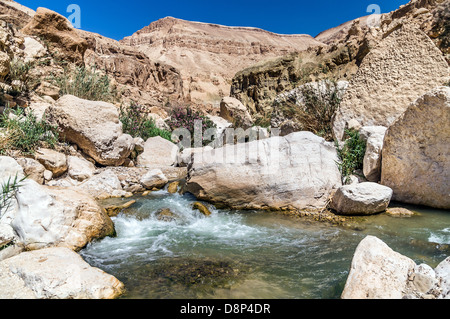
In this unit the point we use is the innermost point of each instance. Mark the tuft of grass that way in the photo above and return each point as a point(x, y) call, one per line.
point(137, 125)
point(8, 191)
point(351, 155)
point(19, 78)
point(23, 132)
point(85, 83)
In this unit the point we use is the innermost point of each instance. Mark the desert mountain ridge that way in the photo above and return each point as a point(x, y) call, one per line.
point(209, 55)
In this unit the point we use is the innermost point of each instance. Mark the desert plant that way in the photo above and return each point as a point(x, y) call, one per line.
point(19, 79)
point(316, 109)
point(24, 132)
point(8, 191)
point(85, 83)
point(185, 117)
point(351, 154)
point(137, 125)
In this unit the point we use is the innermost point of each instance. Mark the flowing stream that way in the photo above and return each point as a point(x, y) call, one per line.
point(234, 254)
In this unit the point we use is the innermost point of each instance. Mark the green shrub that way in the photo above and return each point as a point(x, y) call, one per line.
point(24, 132)
point(137, 125)
point(185, 117)
point(19, 78)
point(351, 155)
point(8, 191)
point(86, 84)
point(317, 109)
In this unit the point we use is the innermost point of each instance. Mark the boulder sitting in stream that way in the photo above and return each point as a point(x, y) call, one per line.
point(378, 272)
point(295, 171)
point(361, 199)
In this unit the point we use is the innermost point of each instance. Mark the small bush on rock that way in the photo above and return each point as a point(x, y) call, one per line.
point(86, 83)
point(23, 132)
point(185, 117)
point(351, 155)
point(137, 125)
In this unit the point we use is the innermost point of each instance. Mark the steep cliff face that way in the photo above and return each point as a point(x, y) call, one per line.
point(15, 13)
point(138, 78)
point(347, 46)
point(142, 80)
point(209, 55)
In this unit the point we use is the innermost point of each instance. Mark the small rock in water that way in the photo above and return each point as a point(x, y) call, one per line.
point(202, 208)
point(173, 187)
point(165, 215)
point(399, 212)
point(114, 210)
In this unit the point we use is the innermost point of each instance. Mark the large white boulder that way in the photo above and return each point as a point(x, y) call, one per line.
point(377, 272)
point(295, 171)
point(51, 216)
point(158, 152)
point(104, 185)
point(55, 273)
point(79, 168)
point(361, 199)
point(233, 111)
point(94, 126)
point(416, 153)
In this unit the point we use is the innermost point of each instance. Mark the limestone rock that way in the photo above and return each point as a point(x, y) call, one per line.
point(416, 156)
point(52, 160)
point(114, 210)
point(201, 208)
point(93, 126)
point(62, 38)
point(166, 215)
point(55, 273)
point(173, 187)
point(7, 234)
point(374, 137)
point(154, 178)
point(4, 63)
point(33, 169)
point(361, 199)
point(443, 274)
point(33, 49)
point(79, 168)
point(139, 78)
point(377, 272)
point(405, 65)
point(103, 185)
point(298, 170)
point(184, 157)
point(399, 211)
point(158, 152)
point(234, 111)
point(9, 168)
point(47, 216)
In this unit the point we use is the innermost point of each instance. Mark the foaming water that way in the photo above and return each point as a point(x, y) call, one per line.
point(233, 254)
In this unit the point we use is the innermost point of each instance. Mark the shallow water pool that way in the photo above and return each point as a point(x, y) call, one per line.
point(234, 254)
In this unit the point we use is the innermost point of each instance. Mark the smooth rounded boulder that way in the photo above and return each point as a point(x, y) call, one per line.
point(416, 155)
point(297, 171)
point(55, 273)
point(94, 126)
point(361, 199)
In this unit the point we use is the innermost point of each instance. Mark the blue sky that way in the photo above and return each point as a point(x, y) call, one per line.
point(117, 19)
